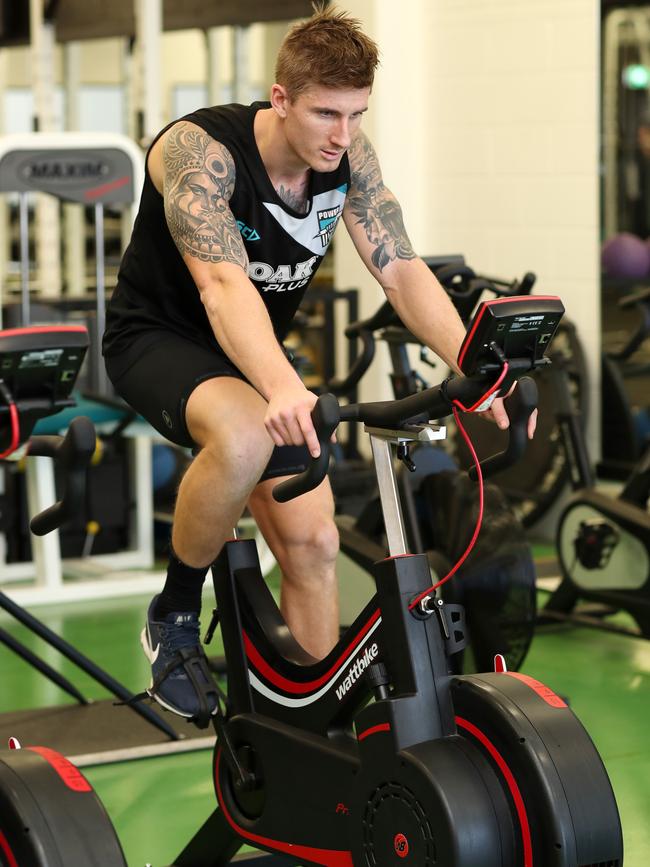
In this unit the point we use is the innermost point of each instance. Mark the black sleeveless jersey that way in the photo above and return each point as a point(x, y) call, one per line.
point(154, 287)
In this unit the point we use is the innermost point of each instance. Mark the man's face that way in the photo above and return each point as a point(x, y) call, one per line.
point(321, 122)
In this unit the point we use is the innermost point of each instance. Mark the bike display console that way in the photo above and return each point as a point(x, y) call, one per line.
point(38, 368)
point(517, 327)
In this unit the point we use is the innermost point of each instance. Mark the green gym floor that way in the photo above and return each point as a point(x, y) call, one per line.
point(157, 804)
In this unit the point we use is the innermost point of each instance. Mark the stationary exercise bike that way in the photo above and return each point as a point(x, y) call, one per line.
point(624, 428)
point(603, 542)
point(376, 756)
point(50, 815)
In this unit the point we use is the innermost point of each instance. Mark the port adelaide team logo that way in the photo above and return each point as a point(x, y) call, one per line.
point(327, 220)
point(314, 231)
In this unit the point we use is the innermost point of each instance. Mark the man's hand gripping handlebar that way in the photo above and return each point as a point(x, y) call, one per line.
point(436, 403)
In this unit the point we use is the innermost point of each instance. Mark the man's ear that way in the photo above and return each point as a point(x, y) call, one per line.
point(279, 99)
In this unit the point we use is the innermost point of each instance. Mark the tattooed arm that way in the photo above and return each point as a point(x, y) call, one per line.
point(198, 179)
point(373, 217)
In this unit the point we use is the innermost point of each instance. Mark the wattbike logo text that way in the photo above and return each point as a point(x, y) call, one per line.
point(284, 278)
point(359, 666)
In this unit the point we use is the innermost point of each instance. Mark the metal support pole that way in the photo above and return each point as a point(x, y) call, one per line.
point(141, 519)
point(73, 213)
point(148, 23)
point(47, 227)
point(241, 77)
point(257, 84)
point(615, 23)
point(36, 662)
point(129, 74)
point(220, 47)
point(46, 550)
point(4, 210)
point(23, 220)
point(130, 125)
point(101, 381)
point(389, 496)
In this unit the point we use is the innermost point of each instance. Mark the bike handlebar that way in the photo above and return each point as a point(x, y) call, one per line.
point(361, 364)
point(326, 416)
point(383, 316)
point(640, 300)
point(436, 402)
point(364, 330)
point(519, 405)
point(72, 454)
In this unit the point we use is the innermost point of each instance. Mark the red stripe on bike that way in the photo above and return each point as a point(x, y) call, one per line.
point(326, 857)
point(543, 691)
point(71, 776)
point(373, 730)
point(520, 807)
point(4, 847)
point(298, 687)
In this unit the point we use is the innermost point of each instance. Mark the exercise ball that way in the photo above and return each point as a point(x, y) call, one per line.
point(642, 428)
point(164, 465)
point(625, 256)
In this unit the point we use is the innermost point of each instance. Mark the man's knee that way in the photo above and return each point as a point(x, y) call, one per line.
point(225, 418)
point(325, 539)
point(314, 542)
point(239, 457)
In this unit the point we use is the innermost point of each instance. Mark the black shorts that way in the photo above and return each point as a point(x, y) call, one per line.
point(159, 384)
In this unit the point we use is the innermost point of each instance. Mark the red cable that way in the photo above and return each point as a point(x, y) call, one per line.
point(15, 431)
point(487, 394)
point(479, 519)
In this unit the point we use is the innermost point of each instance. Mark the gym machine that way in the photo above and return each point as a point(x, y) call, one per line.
point(99, 171)
point(603, 542)
point(376, 755)
point(38, 368)
point(96, 170)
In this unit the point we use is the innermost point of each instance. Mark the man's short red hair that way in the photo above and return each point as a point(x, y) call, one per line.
point(329, 49)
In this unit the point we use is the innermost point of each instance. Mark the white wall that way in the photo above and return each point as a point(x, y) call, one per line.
point(485, 118)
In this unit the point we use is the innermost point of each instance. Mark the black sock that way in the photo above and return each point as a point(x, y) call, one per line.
point(182, 590)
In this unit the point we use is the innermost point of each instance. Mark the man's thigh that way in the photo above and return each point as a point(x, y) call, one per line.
point(159, 384)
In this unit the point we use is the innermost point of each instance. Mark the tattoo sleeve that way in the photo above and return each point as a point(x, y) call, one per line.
point(375, 207)
point(199, 180)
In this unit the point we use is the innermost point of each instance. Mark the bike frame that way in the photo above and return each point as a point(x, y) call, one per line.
point(269, 673)
point(274, 683)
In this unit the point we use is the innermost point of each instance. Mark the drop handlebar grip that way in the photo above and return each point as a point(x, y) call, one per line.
point(326, 416)
point(381, 318)
point(72, 454)
point(519, 406)
point(364, 360)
